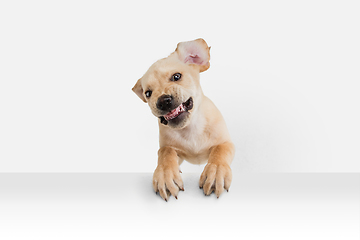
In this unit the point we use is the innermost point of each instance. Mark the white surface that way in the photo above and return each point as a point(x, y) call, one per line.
point(284, 74)
point(111, 206)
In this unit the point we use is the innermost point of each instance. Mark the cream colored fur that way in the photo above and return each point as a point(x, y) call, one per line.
point(202, 136)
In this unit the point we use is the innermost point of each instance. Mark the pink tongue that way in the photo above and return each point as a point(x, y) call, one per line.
point(174, 113)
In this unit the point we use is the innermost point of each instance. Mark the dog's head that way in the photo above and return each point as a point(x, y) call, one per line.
point(171, 86)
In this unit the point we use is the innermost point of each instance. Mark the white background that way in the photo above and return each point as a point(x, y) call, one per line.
point(283, 73)
point(271, 206)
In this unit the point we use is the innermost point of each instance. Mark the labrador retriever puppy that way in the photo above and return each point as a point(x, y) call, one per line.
point(191, 127)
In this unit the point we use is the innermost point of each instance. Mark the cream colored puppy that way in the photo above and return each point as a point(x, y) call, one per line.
point(191, 127)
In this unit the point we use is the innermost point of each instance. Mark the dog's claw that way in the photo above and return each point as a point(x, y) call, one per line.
point(211, 181)
point(167, 186)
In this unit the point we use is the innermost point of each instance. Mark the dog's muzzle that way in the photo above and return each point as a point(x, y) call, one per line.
point(184, 107)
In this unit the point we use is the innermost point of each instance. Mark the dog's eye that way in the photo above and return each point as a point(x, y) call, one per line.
point(176, 77)
point(148, 93)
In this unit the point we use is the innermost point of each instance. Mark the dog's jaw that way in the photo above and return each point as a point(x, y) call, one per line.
point(175, 112)
point(178, 116)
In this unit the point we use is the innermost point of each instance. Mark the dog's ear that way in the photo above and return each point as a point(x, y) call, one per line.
point(195, 52)
point(139, 90)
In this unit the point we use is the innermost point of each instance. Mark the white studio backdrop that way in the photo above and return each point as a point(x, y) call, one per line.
point(285, 75)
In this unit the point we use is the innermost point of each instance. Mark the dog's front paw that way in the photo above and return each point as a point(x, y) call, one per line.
point(167, 181)
point(215, 177)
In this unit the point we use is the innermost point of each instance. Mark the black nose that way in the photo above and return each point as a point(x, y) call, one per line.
point(165, 103)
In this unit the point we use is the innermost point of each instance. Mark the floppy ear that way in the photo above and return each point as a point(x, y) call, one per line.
point(139, 90)
point(195, 52)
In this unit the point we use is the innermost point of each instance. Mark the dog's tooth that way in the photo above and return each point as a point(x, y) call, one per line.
point(174, 113)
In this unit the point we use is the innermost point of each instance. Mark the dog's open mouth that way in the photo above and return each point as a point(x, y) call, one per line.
point(184, 107)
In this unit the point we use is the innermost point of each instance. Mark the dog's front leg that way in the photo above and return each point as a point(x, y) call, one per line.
point(217, 172)
point(166, 179)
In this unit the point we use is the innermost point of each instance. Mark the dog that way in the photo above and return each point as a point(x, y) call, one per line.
point(191, 127)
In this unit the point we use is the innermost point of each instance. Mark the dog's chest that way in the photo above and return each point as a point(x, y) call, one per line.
point(194, 143)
